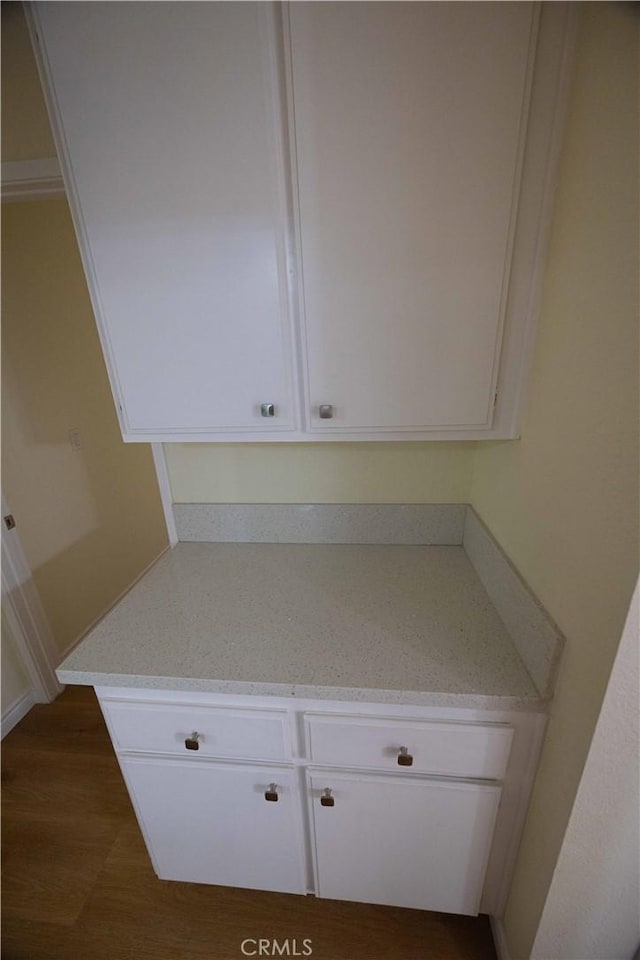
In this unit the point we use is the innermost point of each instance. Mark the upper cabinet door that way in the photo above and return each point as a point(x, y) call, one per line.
point(169, 119)
point(422, 133)
point(390, 164)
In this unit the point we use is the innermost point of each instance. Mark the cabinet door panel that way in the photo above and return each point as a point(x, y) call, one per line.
point(409, 141)
point(211, 823)
point(407, 843)
point(169, 116)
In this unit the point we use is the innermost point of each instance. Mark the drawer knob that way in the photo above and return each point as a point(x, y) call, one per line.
point(404, 758)
point(272, 793)
point(326, 800)
point(191, 743)
point(267, 410)
point(325, 411)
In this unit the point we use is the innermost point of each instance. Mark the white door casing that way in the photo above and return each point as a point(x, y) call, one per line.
point(25, 614)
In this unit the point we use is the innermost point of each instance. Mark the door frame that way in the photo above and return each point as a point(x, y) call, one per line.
point(26, 617)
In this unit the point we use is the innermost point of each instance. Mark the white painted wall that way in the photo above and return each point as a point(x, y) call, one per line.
point(592, 911)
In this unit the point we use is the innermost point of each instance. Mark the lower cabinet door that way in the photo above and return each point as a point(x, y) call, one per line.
point(406, 842)
point(219, 822)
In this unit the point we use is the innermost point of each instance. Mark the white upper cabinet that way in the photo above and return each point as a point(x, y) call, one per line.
point(321, 205)
point(418, 218)
point(169, 119)
point(409, 145)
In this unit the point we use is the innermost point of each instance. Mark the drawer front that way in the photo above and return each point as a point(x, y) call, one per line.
point(475, 750)
point(221, 732)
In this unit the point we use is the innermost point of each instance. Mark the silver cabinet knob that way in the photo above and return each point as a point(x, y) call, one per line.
point(267, 410)
point(192, 742)
point(326, 411)
point(404, 757)
point(326, 800)
point(272, 793)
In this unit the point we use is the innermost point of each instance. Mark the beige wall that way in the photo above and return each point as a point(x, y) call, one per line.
point(563, 500)
point(91, 521)
point(320, 472)
point(25, 127)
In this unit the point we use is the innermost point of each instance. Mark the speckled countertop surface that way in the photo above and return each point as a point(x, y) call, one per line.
point(379, 623)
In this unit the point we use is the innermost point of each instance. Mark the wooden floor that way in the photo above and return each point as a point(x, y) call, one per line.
point(78, 885)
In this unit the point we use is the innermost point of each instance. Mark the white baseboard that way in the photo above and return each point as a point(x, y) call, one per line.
point(18, 709)
point(499, 938)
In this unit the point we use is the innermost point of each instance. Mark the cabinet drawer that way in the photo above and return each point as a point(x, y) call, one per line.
point(221, 732)
point(478, 750)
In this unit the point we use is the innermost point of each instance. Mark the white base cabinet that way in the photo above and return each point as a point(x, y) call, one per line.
point(407, 843)
point(401, 805)
point(211, 822)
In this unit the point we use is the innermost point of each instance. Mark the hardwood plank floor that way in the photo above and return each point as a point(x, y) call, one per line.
point(78, 884)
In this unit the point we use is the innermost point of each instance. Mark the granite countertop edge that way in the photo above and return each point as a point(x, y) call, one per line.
point(241, 688)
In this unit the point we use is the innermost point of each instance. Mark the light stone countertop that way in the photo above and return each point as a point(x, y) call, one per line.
point(376, 623)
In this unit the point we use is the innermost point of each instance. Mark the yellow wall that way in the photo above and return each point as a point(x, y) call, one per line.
point(89, 522)
point(25, 127)
point(320, 472)
point(563, 500)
